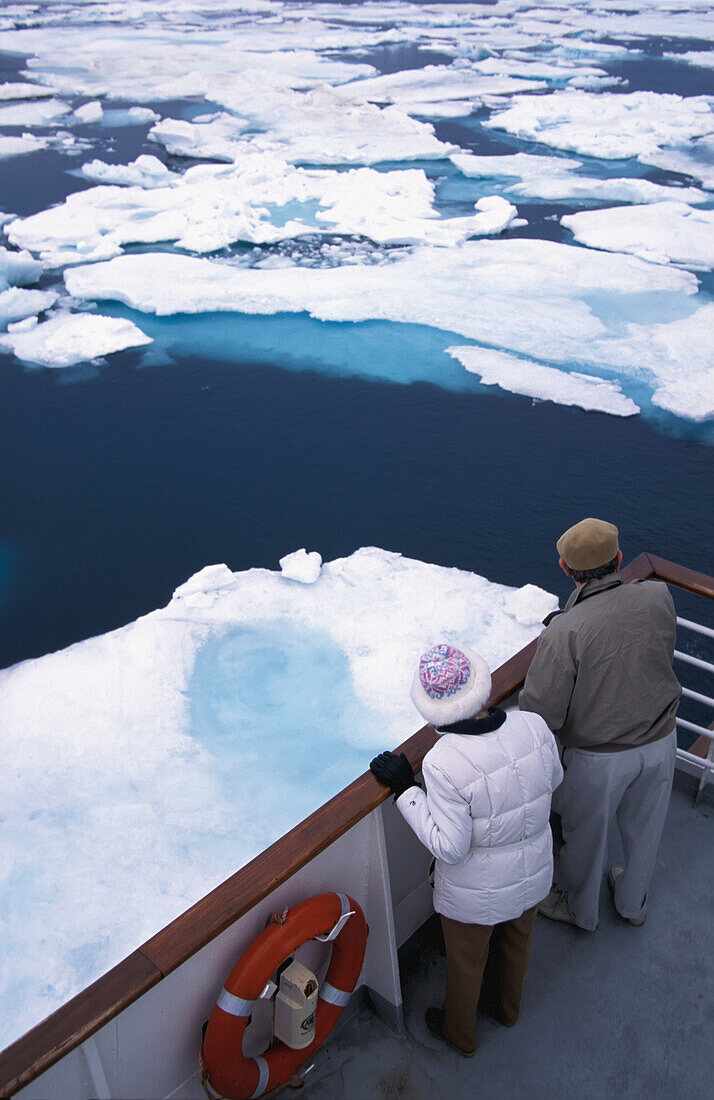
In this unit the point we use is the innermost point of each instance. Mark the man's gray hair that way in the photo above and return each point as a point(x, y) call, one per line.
point(582, 575)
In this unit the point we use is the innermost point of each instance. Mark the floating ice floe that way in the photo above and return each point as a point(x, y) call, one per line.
point(151, 763)
point(209, 207)
point(145, 171)
point(141, 61)
point(324, 126)
point(703, 59)
point(17, 146)
point(554, 179)
point(21, 89)
point(492, 292)
point(17, 304)
point(40, 113)
point(607, 125)
point(438, 83)
point(70, 338)
point(18, 268)
point(132, 116)
point(498, 368)
point(89, 112)
point(697, 160)
point(664, 232)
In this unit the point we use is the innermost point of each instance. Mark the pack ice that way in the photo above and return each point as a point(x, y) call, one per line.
point(140, 758)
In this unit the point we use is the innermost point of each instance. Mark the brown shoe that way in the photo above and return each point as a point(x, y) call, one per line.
point(434, 1018)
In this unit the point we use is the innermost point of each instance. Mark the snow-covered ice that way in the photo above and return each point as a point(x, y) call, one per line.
point(23, 89)
point(141, 756)
point(69, 338)
point(555, 179)
point(209, 207)
point(35, 113)
point(696, 160)
point(610, 125)
point(301, 566)
point(18, 268)
point(16, 146)
point(497, 368)
point(145, 171)
point(663, 232)
point(17, 304)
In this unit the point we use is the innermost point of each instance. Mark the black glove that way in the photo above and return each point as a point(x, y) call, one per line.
point(394, 771)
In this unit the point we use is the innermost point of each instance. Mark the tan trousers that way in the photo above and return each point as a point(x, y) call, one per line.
point(468, 947)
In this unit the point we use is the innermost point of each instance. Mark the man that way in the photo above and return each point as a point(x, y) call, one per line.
point(602, 679)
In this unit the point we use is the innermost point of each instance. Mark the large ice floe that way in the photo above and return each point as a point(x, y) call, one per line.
point(211, 206)
point(170, 752)
point(592, 308)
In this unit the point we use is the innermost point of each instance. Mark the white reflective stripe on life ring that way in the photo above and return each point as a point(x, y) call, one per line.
point(264, 1071)
point(334, 996)
point(234, 1006)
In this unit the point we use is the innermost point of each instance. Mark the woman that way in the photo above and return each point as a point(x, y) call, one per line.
point(485, 817)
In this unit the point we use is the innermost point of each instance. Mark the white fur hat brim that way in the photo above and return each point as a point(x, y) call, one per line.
point(465, 704)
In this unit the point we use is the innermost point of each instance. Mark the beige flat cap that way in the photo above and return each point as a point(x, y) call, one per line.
point(588, 544)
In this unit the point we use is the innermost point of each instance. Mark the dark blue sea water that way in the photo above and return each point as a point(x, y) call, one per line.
point(119, 482)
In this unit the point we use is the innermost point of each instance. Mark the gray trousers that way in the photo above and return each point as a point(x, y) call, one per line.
point(630, 788)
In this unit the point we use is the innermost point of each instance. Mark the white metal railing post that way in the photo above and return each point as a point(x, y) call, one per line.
point(706, 764)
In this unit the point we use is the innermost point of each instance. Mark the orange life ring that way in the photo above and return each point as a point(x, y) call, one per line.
point(225, 1069)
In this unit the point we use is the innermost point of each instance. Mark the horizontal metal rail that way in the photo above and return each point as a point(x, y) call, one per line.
point(83, 1015)
point(702, 730)
point(698, 697)
point(697, 661)
point(706, 630)
point(700, 761)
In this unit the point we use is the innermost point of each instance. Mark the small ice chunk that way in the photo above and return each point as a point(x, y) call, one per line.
point(529, 604)
point(70, 338)
point(301, 566)
point(17, 304)
point(17, 146)
point(207, 579)
point(23, 326)
point(521, 165)
point(495, 214)
point(200, 591)
point(510, 372)
point(89, 112)
point(145, 171)
point(18, 268)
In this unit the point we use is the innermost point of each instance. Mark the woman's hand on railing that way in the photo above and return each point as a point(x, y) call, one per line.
point(394, 771)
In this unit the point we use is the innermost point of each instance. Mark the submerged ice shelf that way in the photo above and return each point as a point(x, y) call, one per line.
point(150, 763)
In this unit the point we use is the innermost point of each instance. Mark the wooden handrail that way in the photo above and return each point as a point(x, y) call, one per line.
point(76, 1021)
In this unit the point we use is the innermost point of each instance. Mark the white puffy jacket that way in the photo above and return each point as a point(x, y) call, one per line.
point(485, 816)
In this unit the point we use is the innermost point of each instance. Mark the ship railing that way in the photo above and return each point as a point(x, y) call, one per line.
point(704, 762)
point(96, 1044)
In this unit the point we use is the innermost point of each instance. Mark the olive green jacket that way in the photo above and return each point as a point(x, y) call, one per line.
point(602, 674)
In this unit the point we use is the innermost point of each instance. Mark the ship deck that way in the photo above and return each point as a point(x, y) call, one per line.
point(622, 1012)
